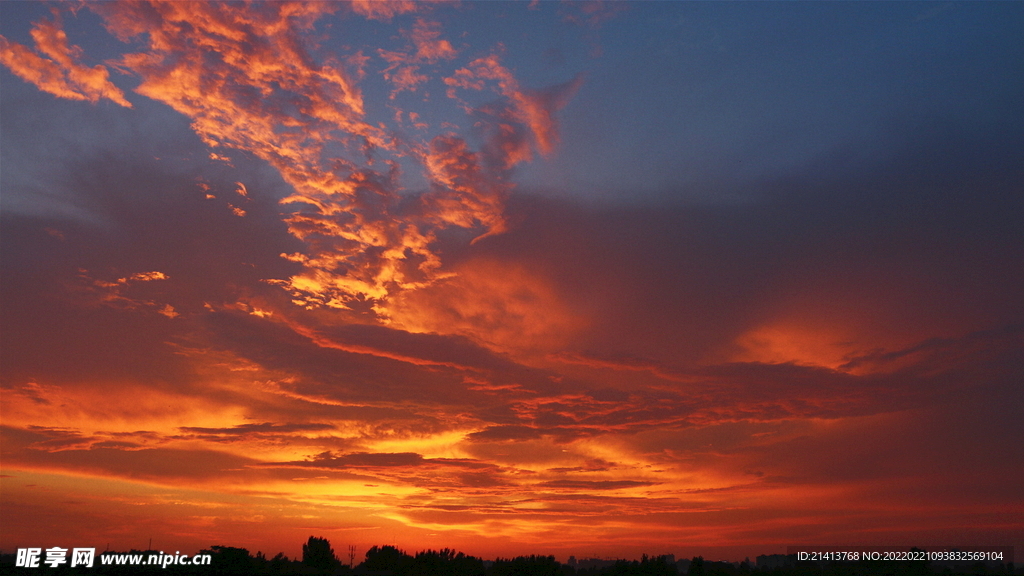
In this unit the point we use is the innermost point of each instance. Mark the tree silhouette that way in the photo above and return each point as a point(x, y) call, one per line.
point(529, 566)
point(445, 562)
point(387, 559)
point(318, 557)
point(317, 553)
point(278, 564)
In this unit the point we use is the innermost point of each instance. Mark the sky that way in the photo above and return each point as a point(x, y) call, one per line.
point(593, 279)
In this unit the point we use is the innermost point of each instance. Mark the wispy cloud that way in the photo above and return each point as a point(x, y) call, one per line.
point(59, 70)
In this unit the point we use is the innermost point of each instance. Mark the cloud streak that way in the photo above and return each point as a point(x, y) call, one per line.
point(59, 70)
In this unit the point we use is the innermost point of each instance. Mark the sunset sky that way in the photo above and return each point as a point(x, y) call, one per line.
point(591, 279)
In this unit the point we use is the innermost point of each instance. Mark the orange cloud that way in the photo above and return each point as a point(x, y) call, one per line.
point(402, 76)
point(465, 194)
point(386, 10)
point(248, 78)
point(430, 47)
point(427, 48)
point(61, 74)
point(123, 292)
point(500, 305)
point(780, 343)
point(534, 110)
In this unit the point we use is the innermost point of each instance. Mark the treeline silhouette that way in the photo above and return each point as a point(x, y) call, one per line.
point(318, 558)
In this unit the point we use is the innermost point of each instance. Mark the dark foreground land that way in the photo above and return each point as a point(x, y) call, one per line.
point(319, 558)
